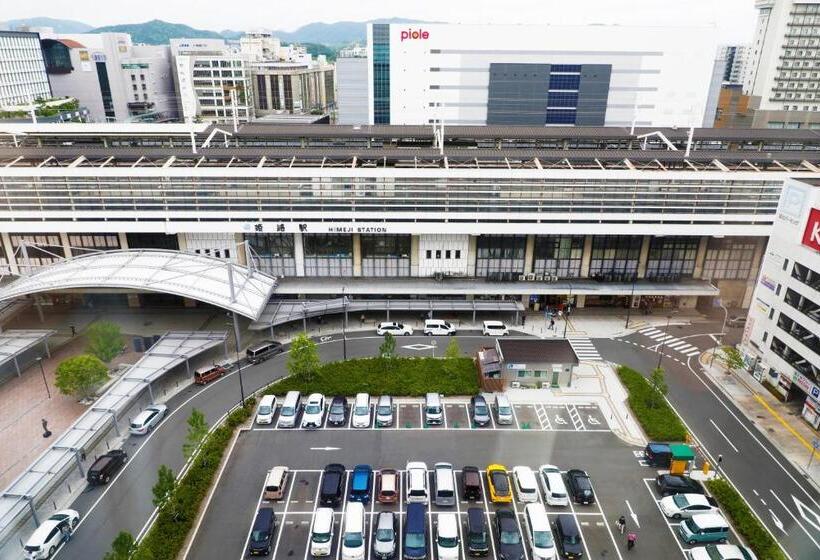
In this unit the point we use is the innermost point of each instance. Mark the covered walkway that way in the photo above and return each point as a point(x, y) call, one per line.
point(15, 347)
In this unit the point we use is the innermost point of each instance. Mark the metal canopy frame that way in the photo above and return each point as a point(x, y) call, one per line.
point(14, 343)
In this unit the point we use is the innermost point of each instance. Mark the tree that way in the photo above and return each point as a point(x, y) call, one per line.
point(303, 360)
point(104, 340)
point(166, 484)
point(81, 375)
point(123, 547)
point(732, 358)
point(197, 430)
point(453, 350)
point(388, 347)
point(659, 387)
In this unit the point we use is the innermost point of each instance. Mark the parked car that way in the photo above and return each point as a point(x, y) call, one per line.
point(396, 329)
point(258, 353)
point(361, 411)
point(498, 481)
point(671, 484)
point(704, 528)
point(722, 552)
point(494, 328)
point(480, 411)
point(333, 483)
point(337, 413)
point(49, 536)
point(384, 545)
point(353, 535)
point(415, 532)
point(503, 410)
point(267, 406)
point(568, 536)
point(555, 492)
point(447, 536)
point(580, 487)
point(148, 419)
point(261, 538)
point(438, 327)
point(106, 466)
point(275, 483)
point(658, 455)
point(509, 546)
point(680, 506)
point(384, 411)
point(314, 413)
point(416, 482)
point(471, 483)
point(537, 530)
point(321, 532)
point(445, 494)
point(361, 484)
point(388, 486)
point(478, 544)
point(526, 485)
point(206, 374)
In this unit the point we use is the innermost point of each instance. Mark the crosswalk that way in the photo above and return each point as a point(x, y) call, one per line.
point(670, 342)
point(584, 349)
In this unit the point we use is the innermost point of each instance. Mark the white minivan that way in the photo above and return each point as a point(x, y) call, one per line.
point(290, 409)
point(503, 410)
point(447, 536)
point(361, 411)
point(433, 409)
point(526, 485)
point(267, 405)
point(321, 533)
point(553, 484)
point(438, 327)
point(353, 532)
point(537, 529)
point(416, 482)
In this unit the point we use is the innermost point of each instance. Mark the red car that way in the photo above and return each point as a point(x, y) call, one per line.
point(388, 486)
point(205, 375)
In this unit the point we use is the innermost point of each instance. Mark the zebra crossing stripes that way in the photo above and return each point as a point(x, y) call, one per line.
point(669, 342)
point(584, 349)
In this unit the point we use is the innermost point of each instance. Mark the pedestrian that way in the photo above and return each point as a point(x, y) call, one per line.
point(630, 540)
point(66, 532)
point(560, 313)
point(73, 330)
point(552, 324)
point(621, 524)
point(523, 320)
point(362, 319)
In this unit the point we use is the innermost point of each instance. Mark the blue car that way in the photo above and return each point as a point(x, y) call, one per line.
point(361, 484)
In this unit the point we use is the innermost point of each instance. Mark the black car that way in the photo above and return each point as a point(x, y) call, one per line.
point(568, 536)
point(510, 546)
point(480, 410)
point(106, 466)
point(477, 542)
point(471, 483)
point(671, 484)
point(580, 487)
point(261, 537)
point(337, 413)
point(333, 482)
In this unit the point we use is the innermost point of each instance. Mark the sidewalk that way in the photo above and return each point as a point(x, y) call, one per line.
point(774, 420)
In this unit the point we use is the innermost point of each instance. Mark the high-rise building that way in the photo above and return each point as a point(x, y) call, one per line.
point(781, 342)
point(737, 63)
point(351, 86)
point(784, 76)
point(213, 82)
point(23, 75)
point(538, 75)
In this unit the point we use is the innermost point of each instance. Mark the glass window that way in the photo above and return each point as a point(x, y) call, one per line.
point(671, 258)
point(328, 254)
point(559, 255)
point(93, 241)
point(729, 258)
point(273, 252)
point(615, 257)
point(42, 248)
point(385, 255)
point(500, 254)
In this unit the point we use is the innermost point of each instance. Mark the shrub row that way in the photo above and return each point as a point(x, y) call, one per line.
point(747, 525)
point(399, 376)
point(167, 536)
point(660, 423)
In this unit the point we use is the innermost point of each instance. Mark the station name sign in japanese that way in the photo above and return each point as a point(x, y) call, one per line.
point(294, 227)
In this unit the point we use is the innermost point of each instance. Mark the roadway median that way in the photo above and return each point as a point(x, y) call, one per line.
point(656, 417)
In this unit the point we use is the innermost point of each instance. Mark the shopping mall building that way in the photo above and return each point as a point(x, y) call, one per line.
point(604, 216)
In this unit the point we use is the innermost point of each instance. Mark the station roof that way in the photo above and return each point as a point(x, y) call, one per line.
point(14, 343)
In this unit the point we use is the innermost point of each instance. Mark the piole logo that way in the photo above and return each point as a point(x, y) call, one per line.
point(409, 34)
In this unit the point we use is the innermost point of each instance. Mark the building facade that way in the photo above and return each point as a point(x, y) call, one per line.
point(541, 75)
point(781, 341)
point(737, 63)
point(23, 75)
point(351, 87)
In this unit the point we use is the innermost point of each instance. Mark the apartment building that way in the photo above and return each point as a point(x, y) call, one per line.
point(23, 75)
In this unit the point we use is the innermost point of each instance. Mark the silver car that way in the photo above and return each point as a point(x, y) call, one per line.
point(384, 411)
point(147, 420)
point(384, 545)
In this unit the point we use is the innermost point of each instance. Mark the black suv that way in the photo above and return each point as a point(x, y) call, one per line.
point(106, 466)
point(568, 536)
point(671, 484)
point(510, 546)
point(580, 487)
point(333, 482)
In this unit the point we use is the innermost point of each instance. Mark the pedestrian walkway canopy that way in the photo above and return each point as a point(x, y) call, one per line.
point(16, 343)
point(45, 473)
point(203, 278)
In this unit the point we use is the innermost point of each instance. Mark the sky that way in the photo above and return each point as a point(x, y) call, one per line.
point(734, 19)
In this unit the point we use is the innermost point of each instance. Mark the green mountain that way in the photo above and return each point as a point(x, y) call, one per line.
point(158, 32)
point(59, 25)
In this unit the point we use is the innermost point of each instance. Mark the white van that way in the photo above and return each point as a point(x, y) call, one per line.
point(361, 411)
point(553, 484)
point(267, 405)
point(537, 529)
point(290, 409)
point(503, 410)
point(445, 485)
point(447, 536)
point(438, 327)
point(416, 482)
point(321, 532)
point(526, 485)
point(275, 483)
point(353, 533)
point(433, 410)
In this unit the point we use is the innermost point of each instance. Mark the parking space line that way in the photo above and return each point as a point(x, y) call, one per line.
point(606, 523)
point(421, 416)
point(458, 515)
point(349, 424)
point(430, 507)
point(372, 512)
point(492, 420)
point(469, 419)
point(577, 423)
point(253, 518)
point(397, 420)
point(327, 414)
point(646, 482)
point(580, 530)
point(281, 525)
point(400, 536)
point(310, 523)
point(517, 425)
point(518, 521)
point(444, 415)
point(484, 493)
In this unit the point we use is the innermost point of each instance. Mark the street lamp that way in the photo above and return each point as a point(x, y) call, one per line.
point(629, 303)
point(238, 359)
point(344, 325)
point(43, 371)
point(666, 330)
point(722, 331)
point(566, 317)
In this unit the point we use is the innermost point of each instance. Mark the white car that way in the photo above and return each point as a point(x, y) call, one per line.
point(683, 506)
point(148, 419)
point(722, 552)
point(526, 485)
point(314, 412)
point(395, 329)
point(555, 492)
point(361, 411)
point(416, 482)
point(447, 536)
point(438, 327)
point(495, 328)
point(47, 538)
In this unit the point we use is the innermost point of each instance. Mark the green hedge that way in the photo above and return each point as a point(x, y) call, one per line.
point(747, 525)
point(660, 423)
point(167, 536)
point(409, 377)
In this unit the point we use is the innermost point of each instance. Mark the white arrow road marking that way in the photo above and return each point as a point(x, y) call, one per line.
point(777, 522)
point(632, 514)
point(325, 448)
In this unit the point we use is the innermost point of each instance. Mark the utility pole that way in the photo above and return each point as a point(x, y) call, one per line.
point(344, 325)
point(629, 303)
point(666, 331)
point(722, 331)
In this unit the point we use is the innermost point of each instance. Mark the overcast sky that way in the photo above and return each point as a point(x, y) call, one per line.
point(734, 19)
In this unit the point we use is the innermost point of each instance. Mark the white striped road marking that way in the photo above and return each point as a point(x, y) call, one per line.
point(677, 345)
point(692, 354)
point(648, 330)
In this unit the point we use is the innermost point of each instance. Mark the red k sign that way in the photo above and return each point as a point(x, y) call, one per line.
point(811, 237)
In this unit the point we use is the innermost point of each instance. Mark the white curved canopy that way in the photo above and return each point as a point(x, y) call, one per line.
point(203, 278)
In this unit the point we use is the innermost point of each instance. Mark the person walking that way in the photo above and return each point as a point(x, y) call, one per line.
point(621, 524)
point(552, 324)
point(523, 319)
point(630, 541)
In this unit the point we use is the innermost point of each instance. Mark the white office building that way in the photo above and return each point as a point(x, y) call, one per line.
point(537, 75)
point(23, 75)
point(781, 342)
point(352, 86)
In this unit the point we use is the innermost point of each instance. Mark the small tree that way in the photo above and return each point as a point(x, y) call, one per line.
point(197, 430)
point(104, 340)
point(732, 358)
point(659, 387)
point(81, 375)
point(303, 360)
point(166, 484)
point(123, 547)
point(453, 350)
point(388, 347)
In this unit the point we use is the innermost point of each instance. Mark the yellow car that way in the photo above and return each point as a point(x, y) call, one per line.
point(499, 483)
